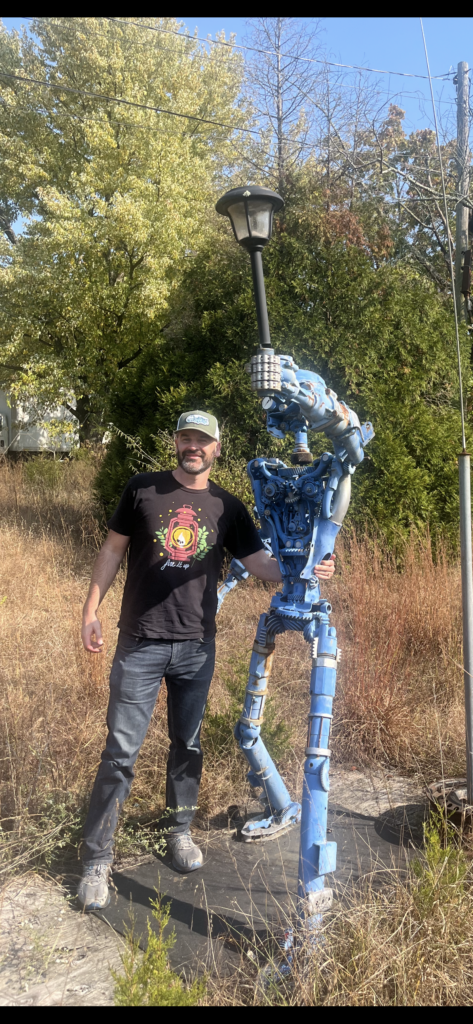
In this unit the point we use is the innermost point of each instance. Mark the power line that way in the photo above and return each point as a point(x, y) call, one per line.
point(273, 53)
point(340, 85)
point(115, 99)
point(141, 106)
point(158, 46)
point(140, 127)
point(255, 49)
point(298, 145)
point(103, 35)
point(128, 103)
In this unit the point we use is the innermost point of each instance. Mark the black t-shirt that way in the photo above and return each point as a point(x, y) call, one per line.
point(178, 536)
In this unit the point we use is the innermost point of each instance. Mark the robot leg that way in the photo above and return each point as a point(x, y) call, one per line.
point(317, 856)
point(280, 811)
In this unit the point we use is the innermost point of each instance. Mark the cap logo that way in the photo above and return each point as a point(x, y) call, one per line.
point(197, 419)
point(245, 194)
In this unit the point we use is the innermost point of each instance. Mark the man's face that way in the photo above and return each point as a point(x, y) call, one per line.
point(195, 451)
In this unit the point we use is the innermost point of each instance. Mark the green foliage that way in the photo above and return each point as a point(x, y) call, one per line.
point(128, 292)
point(379, 334)
point(43, 472)
point(440, 875)
point(42, 839)
point(147, 978)
point(135, 837)
point(54, 835)
point(115, 199)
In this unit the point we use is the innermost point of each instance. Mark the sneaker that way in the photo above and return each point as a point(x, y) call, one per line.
point(92, 891)
point(186, 856)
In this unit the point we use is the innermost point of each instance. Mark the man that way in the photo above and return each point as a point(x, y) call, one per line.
point(176, 526)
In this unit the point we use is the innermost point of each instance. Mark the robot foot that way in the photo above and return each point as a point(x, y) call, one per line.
point(263, 829)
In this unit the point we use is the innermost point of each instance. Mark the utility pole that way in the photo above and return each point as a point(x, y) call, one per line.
point(463, 174)
point(464, 800)
point(462, 299)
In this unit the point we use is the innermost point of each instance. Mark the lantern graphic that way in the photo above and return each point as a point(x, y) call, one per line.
point(182, 535)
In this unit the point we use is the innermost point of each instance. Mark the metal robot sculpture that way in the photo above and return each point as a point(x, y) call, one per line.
point(301, 509)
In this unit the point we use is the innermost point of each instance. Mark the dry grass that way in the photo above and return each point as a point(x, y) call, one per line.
point(405, 942)
point(399, 695)
point(399, 703)
point(400, 690)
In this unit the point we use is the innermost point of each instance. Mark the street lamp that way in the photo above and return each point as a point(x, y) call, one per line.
point(251, 210)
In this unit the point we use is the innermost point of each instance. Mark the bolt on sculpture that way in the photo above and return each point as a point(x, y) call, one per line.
point(301, 509)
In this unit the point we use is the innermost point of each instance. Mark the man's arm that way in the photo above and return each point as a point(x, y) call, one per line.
point(265, 567)
point(105, 569)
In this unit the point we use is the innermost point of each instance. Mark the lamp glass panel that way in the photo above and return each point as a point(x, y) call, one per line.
point(237, 216)
point(259, 216)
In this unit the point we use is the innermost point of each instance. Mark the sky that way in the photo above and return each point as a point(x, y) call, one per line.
point(391, 44)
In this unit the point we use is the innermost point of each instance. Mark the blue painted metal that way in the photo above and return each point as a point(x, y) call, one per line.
point(301, 509)
point(236, 574)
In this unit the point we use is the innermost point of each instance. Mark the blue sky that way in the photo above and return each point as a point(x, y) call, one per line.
point(392, 44)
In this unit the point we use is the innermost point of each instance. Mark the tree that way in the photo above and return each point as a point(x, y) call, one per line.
point(115, 198)
point(280, 79)
point(381, 336)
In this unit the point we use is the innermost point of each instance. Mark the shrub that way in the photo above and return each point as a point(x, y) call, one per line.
point(147, 978)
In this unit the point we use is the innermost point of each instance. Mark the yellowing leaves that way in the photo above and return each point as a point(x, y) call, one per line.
point(119, 195)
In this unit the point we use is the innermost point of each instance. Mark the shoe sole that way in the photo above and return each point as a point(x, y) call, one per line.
point(184, 871)
point(267, 834)
point(88, 907)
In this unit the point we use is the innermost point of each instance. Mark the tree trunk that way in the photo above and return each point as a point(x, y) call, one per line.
point(90, 416)
point(280, 114)
point(329, 133)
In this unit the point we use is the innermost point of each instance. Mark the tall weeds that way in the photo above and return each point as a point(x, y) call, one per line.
point(399, 696)
point(407, 943)
point(400, 689)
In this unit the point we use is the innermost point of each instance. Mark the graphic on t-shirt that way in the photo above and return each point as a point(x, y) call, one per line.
point(184, 538)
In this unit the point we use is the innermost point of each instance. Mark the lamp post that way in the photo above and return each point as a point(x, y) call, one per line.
point(250, 210)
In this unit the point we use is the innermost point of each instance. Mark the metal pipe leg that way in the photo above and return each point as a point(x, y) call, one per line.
point(280, 810)
point(318, 857)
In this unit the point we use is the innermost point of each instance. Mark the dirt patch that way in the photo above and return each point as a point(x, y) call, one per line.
point(51, 955)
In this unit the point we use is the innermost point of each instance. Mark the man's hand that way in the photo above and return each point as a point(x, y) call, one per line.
point(105, 569)
point(264, 567)
point(326, 569)
point(91, 627)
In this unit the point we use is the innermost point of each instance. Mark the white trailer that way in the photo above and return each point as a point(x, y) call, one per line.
point(24, 428)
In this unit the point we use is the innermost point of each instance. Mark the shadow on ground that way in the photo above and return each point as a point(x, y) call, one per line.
point(245, 893)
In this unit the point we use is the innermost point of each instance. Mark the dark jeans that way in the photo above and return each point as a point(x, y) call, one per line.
point(135, 679)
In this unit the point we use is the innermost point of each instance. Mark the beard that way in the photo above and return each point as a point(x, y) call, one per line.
point(195, 468)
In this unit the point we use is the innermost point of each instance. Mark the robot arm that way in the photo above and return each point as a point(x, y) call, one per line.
point(236, 573)
point(298, 400)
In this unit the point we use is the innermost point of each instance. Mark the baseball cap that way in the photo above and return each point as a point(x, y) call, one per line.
point(198, 420)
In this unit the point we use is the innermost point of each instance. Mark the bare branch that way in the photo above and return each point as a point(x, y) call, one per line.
point(125, 362)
